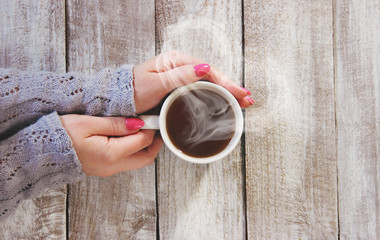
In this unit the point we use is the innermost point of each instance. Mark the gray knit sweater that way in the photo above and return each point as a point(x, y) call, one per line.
point(35, 150)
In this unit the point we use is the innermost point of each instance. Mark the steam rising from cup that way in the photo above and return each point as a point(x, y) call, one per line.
point(209, 119)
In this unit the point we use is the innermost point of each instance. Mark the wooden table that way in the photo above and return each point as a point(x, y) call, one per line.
point(308, 166)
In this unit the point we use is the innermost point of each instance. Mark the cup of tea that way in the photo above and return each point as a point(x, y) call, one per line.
point(200, 122)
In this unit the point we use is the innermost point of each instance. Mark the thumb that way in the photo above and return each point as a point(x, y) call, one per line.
point(115, 126)
point(183, 75)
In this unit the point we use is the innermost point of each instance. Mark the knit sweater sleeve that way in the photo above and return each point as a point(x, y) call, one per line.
point(37, 157)
point(36, 152)
point(26, 96)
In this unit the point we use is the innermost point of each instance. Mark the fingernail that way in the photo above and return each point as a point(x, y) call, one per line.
point(250, 100)
point(134, 123)
point(246, 90)
point(201, 69)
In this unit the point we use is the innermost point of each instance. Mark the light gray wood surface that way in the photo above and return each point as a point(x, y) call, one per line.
point(201, 201)
point(357, 58)
point(30, 39)
point(108, 34)
point(308, 166)
point(290, 132)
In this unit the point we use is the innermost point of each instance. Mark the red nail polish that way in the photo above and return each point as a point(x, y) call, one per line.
point(134, 123)
point(247, 91)
point(250, 100)
point(201, 69)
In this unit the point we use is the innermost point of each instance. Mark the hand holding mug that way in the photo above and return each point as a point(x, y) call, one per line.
point(155, 78)
point(109, 145)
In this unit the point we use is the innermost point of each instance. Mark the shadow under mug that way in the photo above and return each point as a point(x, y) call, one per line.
point(159, 121)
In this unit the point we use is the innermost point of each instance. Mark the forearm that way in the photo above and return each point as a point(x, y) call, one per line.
point(38, 157)
point(26, 96)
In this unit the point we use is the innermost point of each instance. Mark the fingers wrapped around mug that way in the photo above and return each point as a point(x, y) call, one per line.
point(186, 74)
point(173, 69)
point(109, 145)
point(155, 78)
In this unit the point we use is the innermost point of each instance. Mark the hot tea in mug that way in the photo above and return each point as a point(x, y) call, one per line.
point(200, 123)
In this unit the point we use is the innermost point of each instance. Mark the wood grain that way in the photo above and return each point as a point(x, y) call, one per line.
point(357, 31)
point(201, 201)
point(290, 133)
point(107, 34)
point(32, 37)
point(311, 149)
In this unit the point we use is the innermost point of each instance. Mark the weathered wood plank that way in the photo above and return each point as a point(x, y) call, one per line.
point(357, 31)
point(290, 133)
point(107, 34)
point(32, 37)
point(201, 201)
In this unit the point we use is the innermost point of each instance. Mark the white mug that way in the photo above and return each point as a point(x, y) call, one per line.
point(159, 122)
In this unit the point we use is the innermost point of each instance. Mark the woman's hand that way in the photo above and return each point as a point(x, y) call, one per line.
point(108, 145)
point(155, 78)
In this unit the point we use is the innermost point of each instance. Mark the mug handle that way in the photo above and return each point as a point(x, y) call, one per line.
point(151, 121)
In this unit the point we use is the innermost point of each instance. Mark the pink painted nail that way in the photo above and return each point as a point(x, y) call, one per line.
point(134, 123)
point(201, 69)
point(250, 100)
point(247, 91)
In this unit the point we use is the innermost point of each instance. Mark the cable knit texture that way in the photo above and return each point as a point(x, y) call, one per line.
point(35, 150)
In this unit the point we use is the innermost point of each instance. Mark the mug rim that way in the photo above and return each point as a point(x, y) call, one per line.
point(225, 94)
